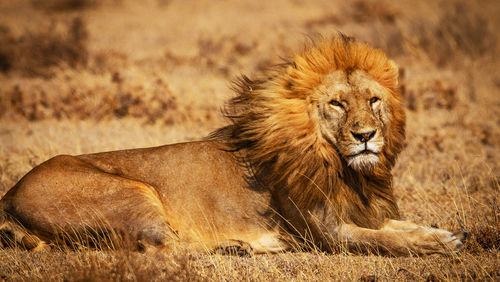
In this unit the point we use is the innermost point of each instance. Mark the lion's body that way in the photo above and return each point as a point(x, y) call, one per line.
point(153, 194)
point(306, 160)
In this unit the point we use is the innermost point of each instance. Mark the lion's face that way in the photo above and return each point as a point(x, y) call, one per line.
point(353, 114)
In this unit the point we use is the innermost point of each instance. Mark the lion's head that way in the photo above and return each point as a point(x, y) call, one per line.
point(353, 115)
point(330, 113)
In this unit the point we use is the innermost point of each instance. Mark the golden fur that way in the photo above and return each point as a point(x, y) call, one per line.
point(306, 160)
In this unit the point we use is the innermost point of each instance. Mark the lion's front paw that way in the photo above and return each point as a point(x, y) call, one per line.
point(427, 240)
point(235, 248)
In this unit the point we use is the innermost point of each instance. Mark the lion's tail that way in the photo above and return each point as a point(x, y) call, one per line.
point(14, 234)
point(3, 213)
point(3, 224)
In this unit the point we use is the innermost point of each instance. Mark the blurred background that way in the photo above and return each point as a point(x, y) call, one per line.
point(80, 76)
point(170, 62)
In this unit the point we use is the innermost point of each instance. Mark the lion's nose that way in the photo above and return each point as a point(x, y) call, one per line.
point(364, 136)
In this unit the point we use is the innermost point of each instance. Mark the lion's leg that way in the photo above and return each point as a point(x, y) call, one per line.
point(408, 225)
point(408, 238)
point(138, 211)
point(88, 206)
point(392, 224)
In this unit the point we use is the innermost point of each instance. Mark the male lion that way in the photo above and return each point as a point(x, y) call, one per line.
point(305, 162)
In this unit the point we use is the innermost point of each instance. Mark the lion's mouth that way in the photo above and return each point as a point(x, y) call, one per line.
point(363, 160)
point(363, 152)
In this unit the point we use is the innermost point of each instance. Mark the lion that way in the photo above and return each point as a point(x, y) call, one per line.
point(304, 163)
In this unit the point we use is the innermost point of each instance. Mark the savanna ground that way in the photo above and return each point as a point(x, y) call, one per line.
point(80, 76)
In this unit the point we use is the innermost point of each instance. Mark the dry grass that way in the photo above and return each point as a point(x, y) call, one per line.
point(84, 76)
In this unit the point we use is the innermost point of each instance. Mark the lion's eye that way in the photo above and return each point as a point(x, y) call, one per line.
point(374, 99)
point(336, 103)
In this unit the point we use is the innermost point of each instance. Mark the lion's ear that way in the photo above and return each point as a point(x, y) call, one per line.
point(393, 69)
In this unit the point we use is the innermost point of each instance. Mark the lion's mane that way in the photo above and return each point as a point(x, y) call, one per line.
point(272, 126)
